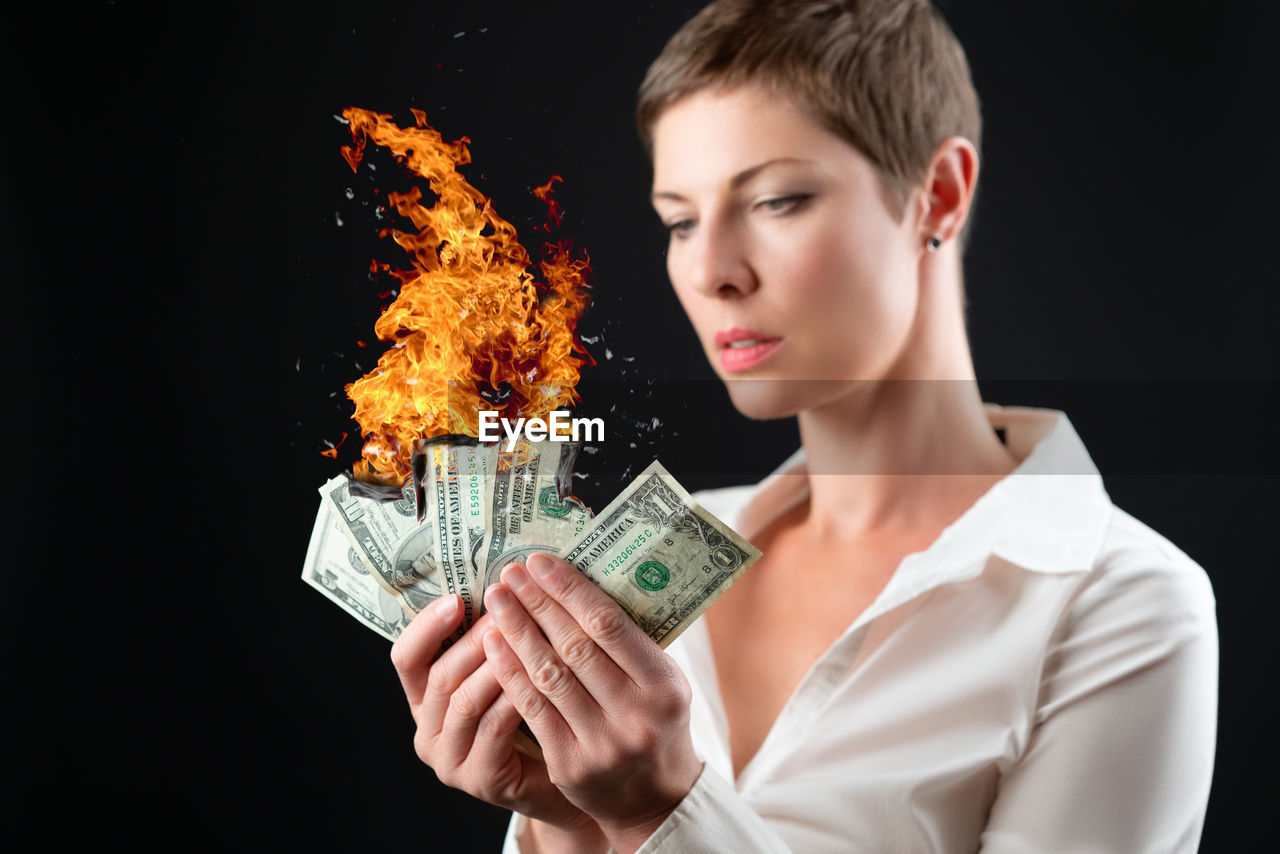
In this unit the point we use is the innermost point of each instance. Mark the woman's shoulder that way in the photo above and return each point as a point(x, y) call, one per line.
point(1134, 555)
point(1142, 601)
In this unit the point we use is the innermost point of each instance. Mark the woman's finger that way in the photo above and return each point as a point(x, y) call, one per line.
point(598, 673)
point(467, 706)
point(600, 617)
point(494, 740)
point(417, 645)
point(545, 669)
point(449, 671)
point(519, 779)
point(544, 719)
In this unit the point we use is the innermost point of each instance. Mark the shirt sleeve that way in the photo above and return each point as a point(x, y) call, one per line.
point(712, 818)
point(1120, 755)
point(511, 845)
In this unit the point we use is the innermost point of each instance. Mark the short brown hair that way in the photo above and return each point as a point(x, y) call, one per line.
point(888, 76)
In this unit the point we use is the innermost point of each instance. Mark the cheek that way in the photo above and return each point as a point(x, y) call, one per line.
point(848, 285)
point(867, 278)
point(827, 260)
point(681, 289)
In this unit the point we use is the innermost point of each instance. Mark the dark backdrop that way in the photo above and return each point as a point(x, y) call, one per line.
point(189, 281)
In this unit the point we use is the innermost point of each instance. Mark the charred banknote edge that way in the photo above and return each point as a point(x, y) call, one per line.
point(418, 465)
point(375, 491)
point(564, 471)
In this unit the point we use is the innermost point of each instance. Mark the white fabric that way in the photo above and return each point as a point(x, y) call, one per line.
point(1042, 678)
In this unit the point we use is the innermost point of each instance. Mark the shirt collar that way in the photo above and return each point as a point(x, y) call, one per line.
point(1048, 515)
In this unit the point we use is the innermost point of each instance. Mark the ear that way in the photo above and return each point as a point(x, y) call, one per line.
point(948, 190)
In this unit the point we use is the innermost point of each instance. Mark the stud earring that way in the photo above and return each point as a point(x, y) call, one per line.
point(935, 242)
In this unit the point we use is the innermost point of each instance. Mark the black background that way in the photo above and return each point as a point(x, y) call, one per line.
point(184, 306)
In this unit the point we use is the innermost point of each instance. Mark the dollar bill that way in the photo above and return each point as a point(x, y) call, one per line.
point(526, 512)
point(654, 550)
point(457, 482)
point(481, 505)
point(385, 535)
point(660, 555)
point(333, 568)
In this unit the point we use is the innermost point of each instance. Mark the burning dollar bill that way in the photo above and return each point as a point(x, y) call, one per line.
point(476, 327)
point(486, 507)
point(660, 555)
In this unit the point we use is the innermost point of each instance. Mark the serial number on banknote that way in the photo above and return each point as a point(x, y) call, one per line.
point(629, 550)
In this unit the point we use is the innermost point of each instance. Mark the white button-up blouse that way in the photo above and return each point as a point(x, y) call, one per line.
point(1042, 678)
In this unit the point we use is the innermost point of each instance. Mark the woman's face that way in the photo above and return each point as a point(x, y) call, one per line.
point(783, 250)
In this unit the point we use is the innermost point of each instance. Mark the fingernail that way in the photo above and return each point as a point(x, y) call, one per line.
point(491, 640)
point(541, 564)
point(497, 599)
point(444, 607)
point(515, 575)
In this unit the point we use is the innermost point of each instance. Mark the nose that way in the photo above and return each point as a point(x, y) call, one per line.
point(714, 262)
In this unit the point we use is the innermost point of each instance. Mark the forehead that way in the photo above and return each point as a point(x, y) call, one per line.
point(711, 135)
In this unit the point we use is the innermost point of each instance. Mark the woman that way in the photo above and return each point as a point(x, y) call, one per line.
point(954, 641)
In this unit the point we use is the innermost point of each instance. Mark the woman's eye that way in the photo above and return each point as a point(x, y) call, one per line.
point(785, 204)
point(679, 228)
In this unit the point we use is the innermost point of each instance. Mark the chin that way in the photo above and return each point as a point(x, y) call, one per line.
point(767, 399)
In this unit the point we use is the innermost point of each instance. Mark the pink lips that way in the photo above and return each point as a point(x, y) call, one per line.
point(735, 355)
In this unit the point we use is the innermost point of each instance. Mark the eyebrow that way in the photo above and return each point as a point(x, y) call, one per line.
point(737, 180)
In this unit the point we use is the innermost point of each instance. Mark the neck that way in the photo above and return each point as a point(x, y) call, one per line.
point(910, 452)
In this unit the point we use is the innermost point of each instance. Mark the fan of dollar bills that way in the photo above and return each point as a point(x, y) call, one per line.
point(654, 550)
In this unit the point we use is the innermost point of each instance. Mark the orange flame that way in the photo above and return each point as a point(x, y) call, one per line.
point(471, 323)
point(555, 213)
point(332, 453)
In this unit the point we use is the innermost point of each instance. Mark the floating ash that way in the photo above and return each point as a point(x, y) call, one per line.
point(475, 325)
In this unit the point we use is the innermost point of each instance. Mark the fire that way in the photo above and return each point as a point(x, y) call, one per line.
point(473, 328)
point(555, 213)
point(332, 453)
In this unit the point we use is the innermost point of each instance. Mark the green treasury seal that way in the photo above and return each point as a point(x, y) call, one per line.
point(549, 502)
point(652, 576)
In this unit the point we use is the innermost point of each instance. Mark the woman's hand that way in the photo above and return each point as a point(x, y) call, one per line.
point(609, 708)
point(466, 726)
